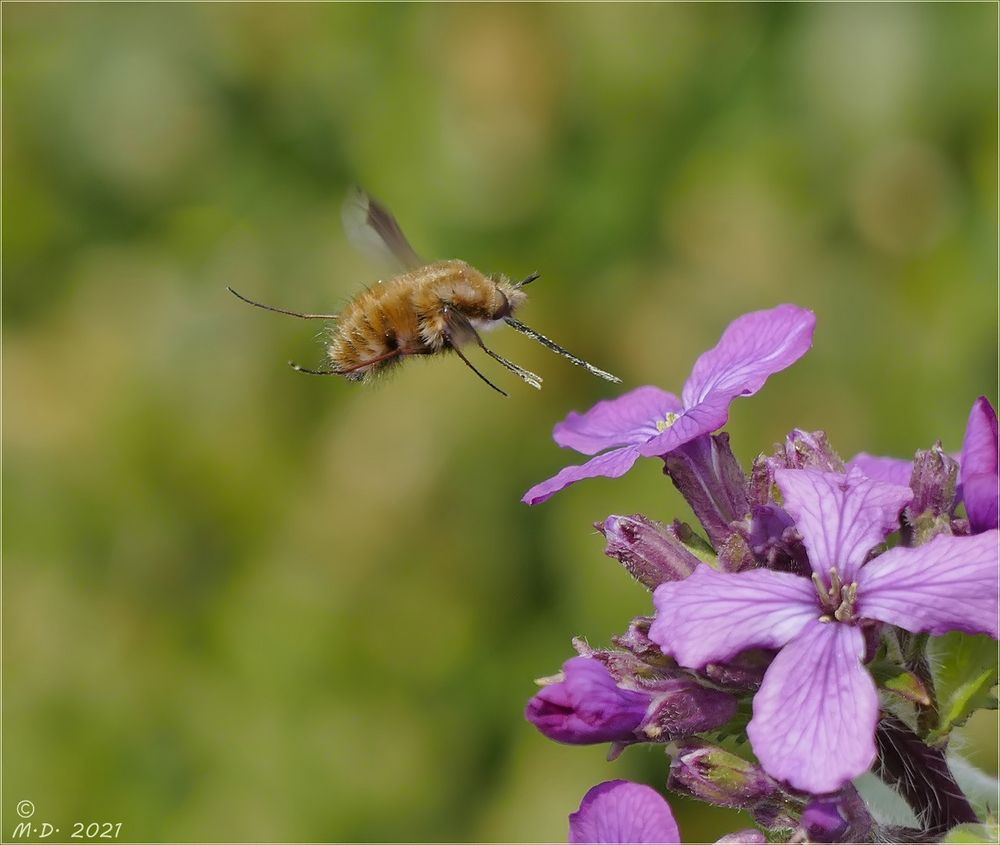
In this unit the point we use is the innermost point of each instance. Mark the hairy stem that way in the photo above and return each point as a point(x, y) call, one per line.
point(913, 649)
point(921, 775)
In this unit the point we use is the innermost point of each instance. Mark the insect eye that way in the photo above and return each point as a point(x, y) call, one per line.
point(504, 309)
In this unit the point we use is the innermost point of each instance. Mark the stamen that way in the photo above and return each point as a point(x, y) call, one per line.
point(837, 599)
point(667, 421)
point(852, 592)
point(836, 585)
point(824, 595)
point(845, 612)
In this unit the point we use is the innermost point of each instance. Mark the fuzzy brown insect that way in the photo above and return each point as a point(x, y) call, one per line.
point(429, 309)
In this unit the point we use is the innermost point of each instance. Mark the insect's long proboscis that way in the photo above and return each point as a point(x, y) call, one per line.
point(517, 325)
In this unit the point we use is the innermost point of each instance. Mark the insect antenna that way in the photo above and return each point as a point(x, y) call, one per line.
point(281, 310)
point(468, 363)
point(517, 325)
point(528, 280)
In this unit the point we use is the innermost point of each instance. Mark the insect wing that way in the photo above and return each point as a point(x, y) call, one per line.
point(370, 226)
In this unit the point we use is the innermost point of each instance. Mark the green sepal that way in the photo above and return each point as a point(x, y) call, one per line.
point(732, 736)
point(965, 673)
point(695, 543)
point(929, 525)
point(973, 833)
point(906, 685)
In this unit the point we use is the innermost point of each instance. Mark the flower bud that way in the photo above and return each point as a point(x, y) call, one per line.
point(806, 450)
point(843, 817)
point(735, 554)
point(709, 477)
point(583, 705)
point(653, 553)
point(636, 640)
point(682, 707)
point(744, 672)
point(631, 672)
point(934, 479)
point(775, 542)
point(822, 822)
point(712, 774)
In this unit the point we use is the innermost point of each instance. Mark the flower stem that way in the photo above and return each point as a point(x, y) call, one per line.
point(921, 775)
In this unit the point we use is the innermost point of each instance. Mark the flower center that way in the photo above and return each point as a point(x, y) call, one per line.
point(838, 599)
point(667, 421)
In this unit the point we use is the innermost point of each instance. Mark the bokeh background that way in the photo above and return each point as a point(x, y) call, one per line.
point(244, 604)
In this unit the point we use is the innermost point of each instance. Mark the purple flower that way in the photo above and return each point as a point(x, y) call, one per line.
point(978, 478)
point(584, 705)
point(815, 714)
point(622, 811)
point(651, 422)
point(978, 467)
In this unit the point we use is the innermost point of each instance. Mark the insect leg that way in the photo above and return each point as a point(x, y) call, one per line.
point(460, 326)
point(281, 310)
point(468, 363)
point(392, 354)
point(299, 369)
point(517, 325)
point(526, 375)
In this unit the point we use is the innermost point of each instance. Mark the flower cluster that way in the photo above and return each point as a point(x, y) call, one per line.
point(793, 641)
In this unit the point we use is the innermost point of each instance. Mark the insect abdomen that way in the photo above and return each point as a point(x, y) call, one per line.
point(372, 334)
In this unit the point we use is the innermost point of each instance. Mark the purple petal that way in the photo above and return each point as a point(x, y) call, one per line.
point(889, 470)
point(815, 714)
point(711, 616)
point(948, 584)
point(609, 465)
point(978, 471)
point(693, 423)
point(587, 706)
point(840, 517)
point(622, 811)
point(752, 348)
point(629, 419)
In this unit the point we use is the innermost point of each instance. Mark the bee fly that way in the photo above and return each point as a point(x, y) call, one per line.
point(428, 309)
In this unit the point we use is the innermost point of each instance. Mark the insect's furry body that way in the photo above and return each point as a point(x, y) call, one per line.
point(428, 309)
point(409, 315)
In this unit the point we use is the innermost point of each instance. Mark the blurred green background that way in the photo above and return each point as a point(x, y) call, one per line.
point(245, 604)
